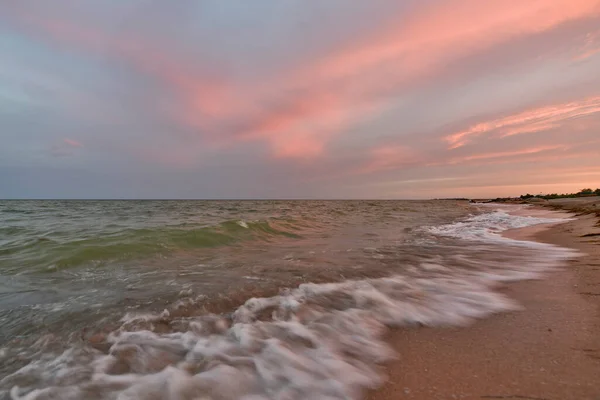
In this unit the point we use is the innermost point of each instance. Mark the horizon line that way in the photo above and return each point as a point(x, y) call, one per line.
point(238, 199)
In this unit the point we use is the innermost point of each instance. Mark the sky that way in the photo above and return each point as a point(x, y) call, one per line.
point(298, 98)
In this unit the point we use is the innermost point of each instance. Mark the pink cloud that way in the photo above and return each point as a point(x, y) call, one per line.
point(507, 154)
point(302, 129)
point(65, 148)
point(423, 43)
point(390, 157)
point(72, 143)
point(401, 157)
point(330, 94)
point(206, 101)
point(590, 47)
point(530, 121)
point(437, 33)
point(204, 91)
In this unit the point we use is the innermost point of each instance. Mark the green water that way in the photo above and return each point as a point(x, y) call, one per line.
point(66, 263)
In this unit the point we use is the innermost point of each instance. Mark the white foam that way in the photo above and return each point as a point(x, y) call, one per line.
point(323, 341)
point(243, 224)
point(488, 227)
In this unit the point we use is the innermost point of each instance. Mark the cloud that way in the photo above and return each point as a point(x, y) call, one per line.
point(72, 143)
point(530, 121)
point(402, 157)
point(353, 81)
point(199, 93)
point(438, 32)
point(391, 157)
point(507, 154)
point(302, 127)
point(65, 148)
point(324, 95)
point(590, 47)
point(207, 103)
point(203, 88)
point(375, 67)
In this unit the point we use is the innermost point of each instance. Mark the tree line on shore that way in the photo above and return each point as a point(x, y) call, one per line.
point(582, 193)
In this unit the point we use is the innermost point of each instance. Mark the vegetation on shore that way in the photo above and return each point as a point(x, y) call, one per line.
point(578, 207)
point(531, 197)
point(582, 193)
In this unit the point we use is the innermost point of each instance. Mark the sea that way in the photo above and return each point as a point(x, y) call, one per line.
point(184, 300)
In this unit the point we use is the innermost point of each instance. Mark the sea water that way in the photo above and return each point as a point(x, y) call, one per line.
point(241, 299)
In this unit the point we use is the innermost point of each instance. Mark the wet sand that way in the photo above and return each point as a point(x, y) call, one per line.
point(548, 351)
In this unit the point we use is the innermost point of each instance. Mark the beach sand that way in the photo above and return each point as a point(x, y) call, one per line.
point(548, 351)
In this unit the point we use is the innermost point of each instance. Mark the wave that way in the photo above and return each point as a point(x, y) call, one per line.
point(51, 252)
point(488, 227)
point(318, 341)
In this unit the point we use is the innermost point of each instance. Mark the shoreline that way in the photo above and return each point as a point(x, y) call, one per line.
point(550, 350)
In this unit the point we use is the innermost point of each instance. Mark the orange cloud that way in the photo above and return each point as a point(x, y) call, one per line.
point(530, 121)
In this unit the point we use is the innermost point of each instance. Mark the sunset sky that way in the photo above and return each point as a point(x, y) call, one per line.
point(298, 98)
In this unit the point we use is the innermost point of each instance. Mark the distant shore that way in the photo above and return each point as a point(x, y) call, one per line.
point(565, 200)
point(548, 351)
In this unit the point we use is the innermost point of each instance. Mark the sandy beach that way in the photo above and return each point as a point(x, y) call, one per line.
point(548, 351)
